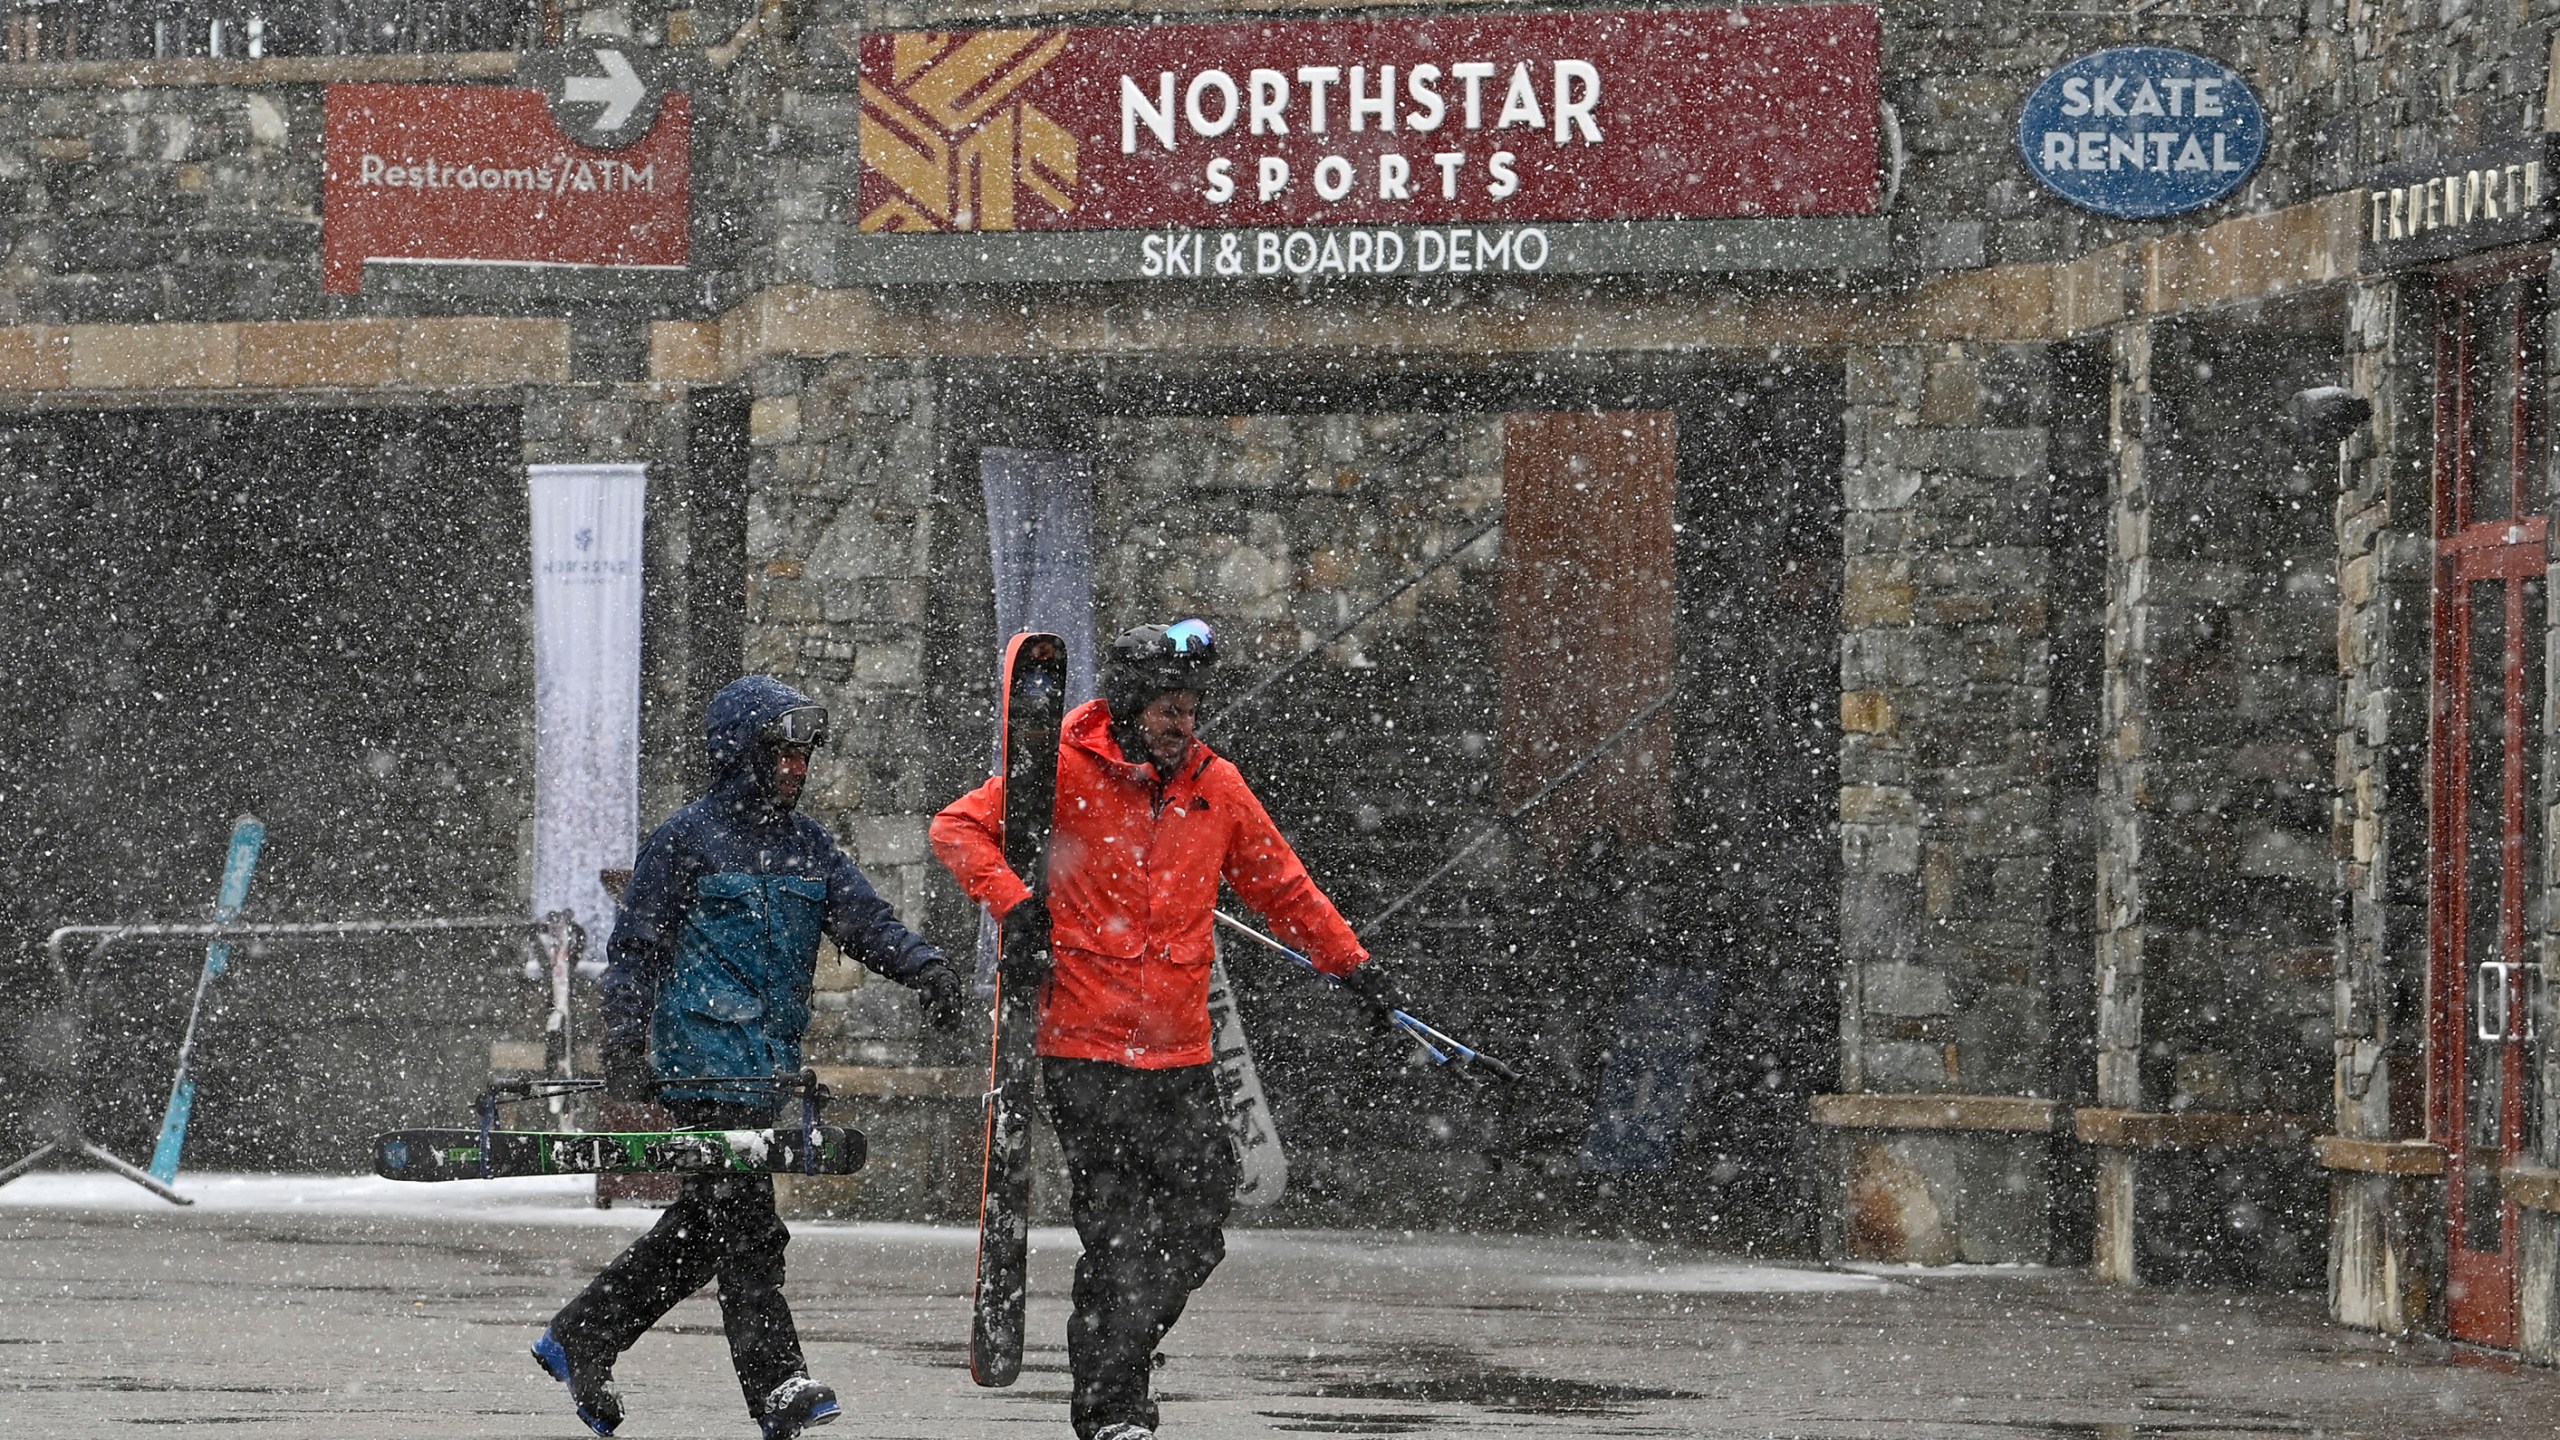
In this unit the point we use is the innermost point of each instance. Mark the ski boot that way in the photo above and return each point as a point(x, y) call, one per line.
point(794, 1406)
point(590, 1383)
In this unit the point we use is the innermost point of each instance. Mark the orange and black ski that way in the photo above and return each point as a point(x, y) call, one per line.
point(1035, 692)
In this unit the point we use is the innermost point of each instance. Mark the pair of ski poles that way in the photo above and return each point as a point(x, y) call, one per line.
point(1445, 1050)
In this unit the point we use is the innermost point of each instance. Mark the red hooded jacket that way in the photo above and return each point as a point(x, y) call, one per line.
point(1133, 877)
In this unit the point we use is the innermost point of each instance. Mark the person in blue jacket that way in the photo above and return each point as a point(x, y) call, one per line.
point(712, 958)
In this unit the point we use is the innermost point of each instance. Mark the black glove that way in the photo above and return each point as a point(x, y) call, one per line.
point(1023, 941)
point(942, 994)
point(1373, 984)
point(627, 1075)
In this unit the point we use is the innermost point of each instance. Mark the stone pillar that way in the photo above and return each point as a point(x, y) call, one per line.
point(844, 456)
point(1937, 1149)
point(2385, 1191)
point(2124, 742)
point(839, 542)
point(2536, 1185)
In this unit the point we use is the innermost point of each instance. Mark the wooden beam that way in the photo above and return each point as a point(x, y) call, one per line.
point(2379, 1157)
point(2018, 1114)
point(2185, 1130)
point(904, 1082)
point(2532, 1186)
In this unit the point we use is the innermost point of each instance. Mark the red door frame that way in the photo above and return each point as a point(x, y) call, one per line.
point(2506, 551)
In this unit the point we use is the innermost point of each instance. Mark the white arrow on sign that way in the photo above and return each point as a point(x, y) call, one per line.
point(618, 90)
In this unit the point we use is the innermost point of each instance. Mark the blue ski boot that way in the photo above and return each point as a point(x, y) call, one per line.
point(795, 1405)
point(590, 1383)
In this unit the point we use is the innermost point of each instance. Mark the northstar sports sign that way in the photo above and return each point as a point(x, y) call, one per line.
point(1703, 139)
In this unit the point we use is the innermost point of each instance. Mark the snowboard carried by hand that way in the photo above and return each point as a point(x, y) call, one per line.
point(1262, 1168)
point(477, 1155)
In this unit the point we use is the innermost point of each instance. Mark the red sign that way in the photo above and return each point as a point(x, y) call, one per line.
point(476, 174)
point(1655, 115)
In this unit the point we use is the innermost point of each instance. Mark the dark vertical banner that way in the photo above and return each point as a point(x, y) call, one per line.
point(1040, 540)
point(1040, 544)
point(1665, 1018)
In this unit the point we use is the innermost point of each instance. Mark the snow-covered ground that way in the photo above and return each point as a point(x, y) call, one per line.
point(567, 1200)
point(313, 1308)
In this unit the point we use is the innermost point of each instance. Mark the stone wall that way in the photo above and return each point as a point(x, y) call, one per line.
point(2126, 741)
point(1945, 803)
point(2237, 889)
point(201, 200)
point(197, 195)
point(182, 203)
point(2385, 1263)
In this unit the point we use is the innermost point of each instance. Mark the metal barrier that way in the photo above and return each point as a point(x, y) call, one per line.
point(40, 30)
point(63, 1100)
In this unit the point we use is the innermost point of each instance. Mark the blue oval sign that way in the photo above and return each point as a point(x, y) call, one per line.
point(2142, 132)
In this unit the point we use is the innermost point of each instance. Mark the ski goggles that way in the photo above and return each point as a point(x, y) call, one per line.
point(1185, 641)
point(799, 725)
point(1186, 637)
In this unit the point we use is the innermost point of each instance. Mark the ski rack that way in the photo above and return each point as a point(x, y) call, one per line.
point(70, 1021)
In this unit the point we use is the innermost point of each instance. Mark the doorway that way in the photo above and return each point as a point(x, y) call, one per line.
point(2485, 759)
point(1656, 521)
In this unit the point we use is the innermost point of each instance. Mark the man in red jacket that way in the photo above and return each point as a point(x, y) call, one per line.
point(1149, 820)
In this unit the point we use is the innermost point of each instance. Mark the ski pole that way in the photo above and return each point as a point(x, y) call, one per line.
point(1240, 703)
point(1518, 812)
point(1435, 1042)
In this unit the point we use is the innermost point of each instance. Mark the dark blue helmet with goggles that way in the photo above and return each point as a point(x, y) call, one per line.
point(757, 713)
point(1149, 660)
point(800, 725)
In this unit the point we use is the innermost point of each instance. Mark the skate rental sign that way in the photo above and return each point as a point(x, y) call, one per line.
point(1449, 145)
point(2142, 132)
point(484, 175)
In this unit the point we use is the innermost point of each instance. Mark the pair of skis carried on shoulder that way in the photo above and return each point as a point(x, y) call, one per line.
point(1033, 709)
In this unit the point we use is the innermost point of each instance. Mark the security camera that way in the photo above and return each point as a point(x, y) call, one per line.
point(2328, 414)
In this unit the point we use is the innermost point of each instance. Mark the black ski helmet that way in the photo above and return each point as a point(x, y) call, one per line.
point(1148, 660)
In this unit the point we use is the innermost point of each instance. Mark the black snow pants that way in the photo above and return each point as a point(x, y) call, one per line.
point(1153, 1178)
point(722, 1227)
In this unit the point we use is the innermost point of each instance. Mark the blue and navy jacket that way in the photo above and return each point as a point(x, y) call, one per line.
point(715, 944)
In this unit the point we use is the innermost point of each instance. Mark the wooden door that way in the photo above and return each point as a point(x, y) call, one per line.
point(2485, 772)
point(1588, 597)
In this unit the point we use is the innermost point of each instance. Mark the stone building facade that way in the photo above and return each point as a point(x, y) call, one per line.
point(2055, 849)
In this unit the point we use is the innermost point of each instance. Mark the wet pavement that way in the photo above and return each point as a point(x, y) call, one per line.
point(334, 1308)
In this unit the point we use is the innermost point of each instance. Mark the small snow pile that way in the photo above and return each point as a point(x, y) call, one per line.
point(1724, 1277)
point(530, 1199)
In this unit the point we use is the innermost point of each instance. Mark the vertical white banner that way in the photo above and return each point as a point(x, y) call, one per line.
point(586, 685)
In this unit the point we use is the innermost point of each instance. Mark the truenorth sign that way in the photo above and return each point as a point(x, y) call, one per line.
point(2439, 209)
point(1441, 145)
